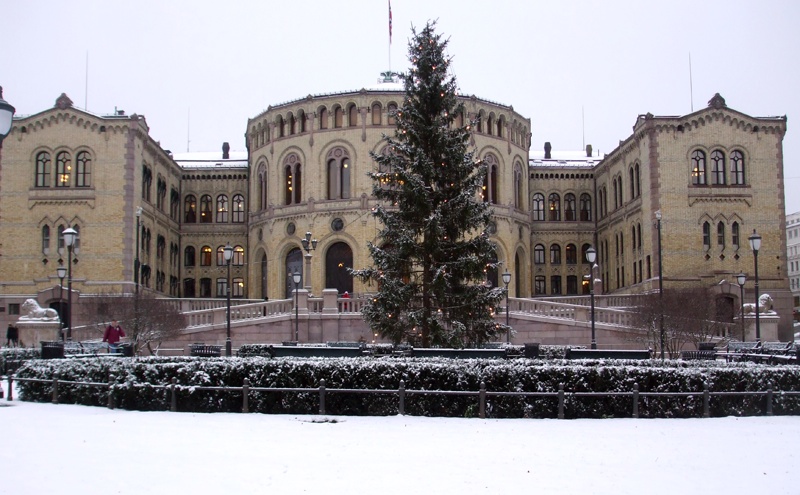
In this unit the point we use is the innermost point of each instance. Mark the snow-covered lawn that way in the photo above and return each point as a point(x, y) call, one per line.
point(67, 449)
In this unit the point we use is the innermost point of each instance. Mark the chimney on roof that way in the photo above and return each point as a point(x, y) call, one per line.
point(547, 149)
point(225, 150)
point(588, 151)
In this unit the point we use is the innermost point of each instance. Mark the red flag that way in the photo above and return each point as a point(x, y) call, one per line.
point(390, 22)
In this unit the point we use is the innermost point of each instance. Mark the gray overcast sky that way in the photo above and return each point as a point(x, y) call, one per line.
point(197, 69)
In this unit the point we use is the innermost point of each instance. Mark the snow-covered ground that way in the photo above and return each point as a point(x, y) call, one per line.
point(67, 449)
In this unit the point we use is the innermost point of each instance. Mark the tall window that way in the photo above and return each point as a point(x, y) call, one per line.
point(737, 168)
point(280, 125)
point(698, 168)
point(205, 256)
point(706, 235)
point(586, 208)
point(63, 169)
point(338, 174)
point(188, 256)
point(293, 179)
point(174, 204)
point(569, 207)
point(352, 115)
point(221, 256)
point(391, 111)
point(490, 181)
point(538, 254)
point(555, 254)
point(190, 209)
point(554, 207)
point(338, 116)
point(518, 186)
point(632, 182)
point(238, 256)
point(638, 177)
point(43, 169)
point(735, 235)
point(147, 182)
point(205, 209)
point(323, 118)
point(572, 284)
point(572, 254)
point(376, 114)
point(555, 284)
point(537, 206)
point(205, 287)
point(717, 168)
point(721, 234)
point(84, 172)
point(45, 239)
point(161, 193)
point(539, 286)
point(238, 208)
point(222, 209)
point(237, 287)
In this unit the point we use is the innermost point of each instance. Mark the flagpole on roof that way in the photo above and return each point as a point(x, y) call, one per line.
point(390, 36)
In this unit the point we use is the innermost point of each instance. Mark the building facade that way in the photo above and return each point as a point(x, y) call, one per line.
point(713, 176)
point(793, 254)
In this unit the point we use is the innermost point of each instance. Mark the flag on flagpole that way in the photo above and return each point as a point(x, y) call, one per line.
point(390, 22)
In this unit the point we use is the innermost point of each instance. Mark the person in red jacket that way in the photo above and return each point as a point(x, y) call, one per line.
point(112, 335)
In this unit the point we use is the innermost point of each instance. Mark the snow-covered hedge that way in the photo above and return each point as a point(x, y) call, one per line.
point(134, 379)
point(11, 357)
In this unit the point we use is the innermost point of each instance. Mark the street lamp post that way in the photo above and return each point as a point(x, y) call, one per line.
point(309, 245)
point(755, 245)
point(591, 256)
point(136, 262)
point(507, 280)
point(660, 285)
point(6, 117)
point(296, 276)
point(741, 278)
point(62, 272)
point(69, 239)
point(228, 252)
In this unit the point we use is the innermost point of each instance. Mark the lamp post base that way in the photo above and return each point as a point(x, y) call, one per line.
point(594, 344)
point(228, 347)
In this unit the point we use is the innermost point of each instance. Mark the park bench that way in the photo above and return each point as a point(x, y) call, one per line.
point(607, 354)
point(698, 355)
point(459, 353)
point(203, 350)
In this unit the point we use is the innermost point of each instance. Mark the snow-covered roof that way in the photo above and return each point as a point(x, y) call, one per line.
point(562, 159)
point(211, 159)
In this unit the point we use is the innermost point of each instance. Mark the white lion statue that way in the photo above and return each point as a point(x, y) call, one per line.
point(764, 305)
point(32, 311)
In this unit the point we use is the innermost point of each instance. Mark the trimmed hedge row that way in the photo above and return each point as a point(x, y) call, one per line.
point(134, 379)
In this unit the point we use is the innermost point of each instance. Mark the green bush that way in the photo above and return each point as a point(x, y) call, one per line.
point(141, 384)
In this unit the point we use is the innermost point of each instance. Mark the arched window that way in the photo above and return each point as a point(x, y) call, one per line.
point(633, 237)
point(698, 168)
point(518, 186)
point(205, 209)
point(205, 256)
point(190, 209)
point(554, 207)
point(188, 256)
point(323, 118)
point(338, 260)
point(376, 114)
point(238, 256)
point(83, 174)
point(221, 256)
point(238, 208)
point(205, 287)
point(490, 124)
point(616, 197)
point(63, 169)
point(737, 168)
point(632, 181)
point(45, 239)
point(280, 125)
point(569, 207)
point(538, 254)
point(479, 121)
point(706, 235)
point(338, 174)
point(637, 174)
point(586, 208)
point(717, 168)
point(292, 169)
point(735, 235)
point(721, 235)
point(490, 180)
point(338, 117)
point(572, 254)
point(189, 288)
point(262, 187)
point(555, 254)
point(585, 248)
point(222, 209)
point(292, 124)
point(294, 264)
point(302, 120)
point(391, 110)
point(43, 169)
point(500, 125)
point(537, 207)
point(539, 285)
point(352, 115)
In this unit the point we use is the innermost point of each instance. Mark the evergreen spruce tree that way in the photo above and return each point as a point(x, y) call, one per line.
point(433, 251)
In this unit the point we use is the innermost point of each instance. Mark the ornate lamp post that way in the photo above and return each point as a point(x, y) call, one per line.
point(309, 245)
point(136, 262)
point(228, 252)
point(660, 284)
point(755, 245)
point(296, 276)
point(741, 278)
point(507, 280)
point(69, 239)
point(62, 272)
point(6, 117)
point(591, 256)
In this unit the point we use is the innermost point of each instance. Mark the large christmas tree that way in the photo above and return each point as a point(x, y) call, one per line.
point(433, 251)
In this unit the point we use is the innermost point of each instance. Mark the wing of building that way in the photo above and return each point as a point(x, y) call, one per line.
point(713, 176)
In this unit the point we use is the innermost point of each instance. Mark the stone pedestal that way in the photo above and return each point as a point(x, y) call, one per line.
point(768, 323)
point(34, 331)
